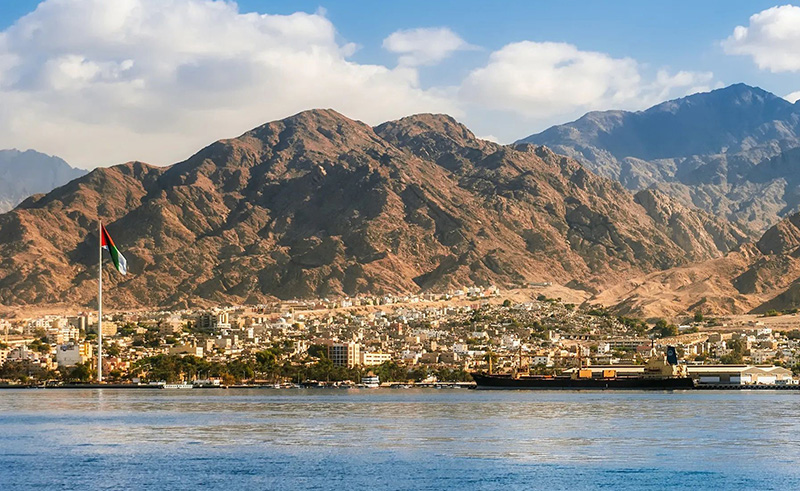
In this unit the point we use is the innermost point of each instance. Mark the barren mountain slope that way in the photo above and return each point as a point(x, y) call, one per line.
point(318, 204)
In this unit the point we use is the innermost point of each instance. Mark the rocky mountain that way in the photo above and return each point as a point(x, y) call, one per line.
point(318, 204)
point(25, 173)
point(732, 152)
point(756, 278)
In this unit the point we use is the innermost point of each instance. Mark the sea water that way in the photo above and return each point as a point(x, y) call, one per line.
point(398, 439)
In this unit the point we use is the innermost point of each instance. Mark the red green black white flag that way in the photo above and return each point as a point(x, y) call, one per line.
point(119, 260)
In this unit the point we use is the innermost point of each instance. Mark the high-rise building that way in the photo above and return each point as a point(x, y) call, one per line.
point(345, 354)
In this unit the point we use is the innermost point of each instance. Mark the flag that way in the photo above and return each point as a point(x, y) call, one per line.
point(119, 260)
point(672, 355)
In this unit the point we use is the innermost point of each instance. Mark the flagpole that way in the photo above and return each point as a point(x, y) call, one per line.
point(100, 305)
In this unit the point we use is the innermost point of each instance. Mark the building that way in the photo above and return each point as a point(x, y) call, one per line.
point(429, 358)
point(187, 349)
point(62, 335)
point(71, 354)
point(740, 375)
point(109, 328)
point(345, 354)
point(371, 359)
point(213, 320)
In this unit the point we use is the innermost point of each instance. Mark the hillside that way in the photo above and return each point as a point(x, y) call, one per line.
point(318, 204)
point(754, 278)
point(731, 152)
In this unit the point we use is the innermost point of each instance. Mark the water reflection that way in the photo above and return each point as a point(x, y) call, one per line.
point(691, 432)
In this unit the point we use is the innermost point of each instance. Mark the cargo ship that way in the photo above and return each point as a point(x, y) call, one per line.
point(662, 372)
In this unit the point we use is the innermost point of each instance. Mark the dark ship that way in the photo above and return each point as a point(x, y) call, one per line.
point(662, 372)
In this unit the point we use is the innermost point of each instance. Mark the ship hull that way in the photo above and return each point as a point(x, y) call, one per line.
point(484, 381)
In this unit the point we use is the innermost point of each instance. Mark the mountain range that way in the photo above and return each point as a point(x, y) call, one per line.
point(318, 204)
point(25, 173)
point(689, 205)
point(732, 152)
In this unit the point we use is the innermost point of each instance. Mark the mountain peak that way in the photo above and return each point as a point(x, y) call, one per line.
point(427, 122)
point(314, 125)
point(705, 123)
point(431, 135)
point(737, 97)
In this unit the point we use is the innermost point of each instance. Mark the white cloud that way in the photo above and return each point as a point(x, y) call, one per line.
point(793, 97)
point(772, 39)
point(424, 46)
point(101, 82)
point(543, 80)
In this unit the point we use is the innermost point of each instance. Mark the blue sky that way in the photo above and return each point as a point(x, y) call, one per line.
point(680, 34)
point(100, 82)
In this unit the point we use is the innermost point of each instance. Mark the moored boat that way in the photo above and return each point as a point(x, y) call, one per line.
point(662, 372)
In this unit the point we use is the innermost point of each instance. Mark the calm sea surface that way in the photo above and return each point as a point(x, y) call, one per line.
point(398, 439)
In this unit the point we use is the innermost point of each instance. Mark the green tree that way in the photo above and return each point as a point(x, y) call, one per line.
point(318, 351)
point(23, 371)
point(82, 372)
point(664, 330)
point(39, 346)
point(390, 371)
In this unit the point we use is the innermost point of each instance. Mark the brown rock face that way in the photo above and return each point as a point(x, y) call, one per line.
point(753, 278)
point(318, 204)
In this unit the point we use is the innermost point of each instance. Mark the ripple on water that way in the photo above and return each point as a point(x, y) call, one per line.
point(414, 439)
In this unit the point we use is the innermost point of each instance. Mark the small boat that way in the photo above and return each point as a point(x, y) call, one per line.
point(177, 386)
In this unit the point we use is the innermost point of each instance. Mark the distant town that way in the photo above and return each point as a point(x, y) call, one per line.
point(430, 339)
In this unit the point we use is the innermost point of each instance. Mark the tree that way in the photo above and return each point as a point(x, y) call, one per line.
point(318, 351)
point(506, 303)
point(698, 316)
point(390, 371)
point(23, 371)
point(82, 372)
point(267, 362)
point(664, 330)
point(39, 346)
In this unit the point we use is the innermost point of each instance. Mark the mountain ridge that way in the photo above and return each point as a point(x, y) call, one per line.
point(707, 150)
point(318, 204)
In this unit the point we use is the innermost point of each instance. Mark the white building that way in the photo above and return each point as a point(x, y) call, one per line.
point(187, 349)
point(369, 359)
point(71, 354)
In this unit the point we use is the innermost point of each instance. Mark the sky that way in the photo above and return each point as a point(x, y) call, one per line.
point(101, 82)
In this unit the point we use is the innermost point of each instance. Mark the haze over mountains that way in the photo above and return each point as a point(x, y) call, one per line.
point(732, 152)
point(318, 204)
point(25, 173)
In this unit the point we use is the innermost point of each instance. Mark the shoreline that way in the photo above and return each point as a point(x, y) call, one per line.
point(709, 387)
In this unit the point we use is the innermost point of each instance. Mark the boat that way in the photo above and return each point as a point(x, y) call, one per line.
point(662, 372)
point(370, 381)
point(177, 386)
